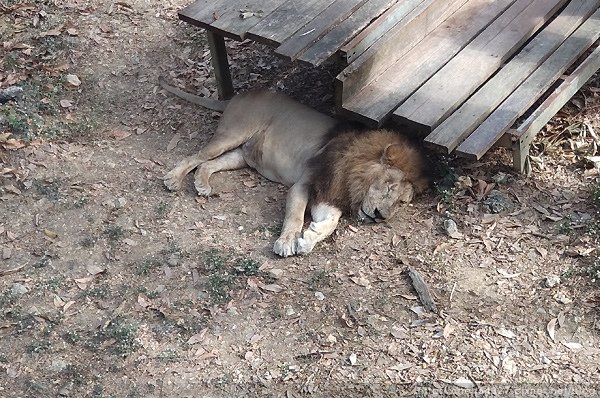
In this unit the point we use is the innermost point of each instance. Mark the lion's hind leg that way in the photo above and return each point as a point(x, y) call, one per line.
point(231, 160)
point(325, 219)
point(224, 140)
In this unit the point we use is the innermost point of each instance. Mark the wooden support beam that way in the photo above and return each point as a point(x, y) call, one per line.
point(220, 65)
point(441, 95)
point(523, 135)
point(502, 119)
point(451, 132)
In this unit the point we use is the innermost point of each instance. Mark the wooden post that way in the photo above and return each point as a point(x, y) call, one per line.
point(220, 65)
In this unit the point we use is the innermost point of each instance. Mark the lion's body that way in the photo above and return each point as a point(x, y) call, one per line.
point(366, 173)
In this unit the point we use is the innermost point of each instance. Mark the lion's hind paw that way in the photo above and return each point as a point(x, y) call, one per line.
point(173, 181)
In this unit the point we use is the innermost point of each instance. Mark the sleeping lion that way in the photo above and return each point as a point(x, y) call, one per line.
point(336, 170)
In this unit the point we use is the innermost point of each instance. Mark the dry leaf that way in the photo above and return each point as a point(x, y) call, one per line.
point(83, 283)
point(95, 269)
point(361, 281)
point(120, 134)
point(58, 301)
point(448, 329)
point(66, 103)
point(198, 337)
point(73, 80)
point(551, 328)
point(463, 382)
point(505, 333)
point(52, 32)
point(144, 301)
point(173, 143)
point(543, 252)
point(573, 346)
point(271, 287)
point(50, 234)
point(6, 253)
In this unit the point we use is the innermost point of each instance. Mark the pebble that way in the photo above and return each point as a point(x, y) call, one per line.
point(58, 365)
point(552, 280)
point(18, 289)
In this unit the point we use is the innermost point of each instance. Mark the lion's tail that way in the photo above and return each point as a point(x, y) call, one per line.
point(209, 103)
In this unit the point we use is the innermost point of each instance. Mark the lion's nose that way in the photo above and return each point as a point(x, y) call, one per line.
point(378, 215)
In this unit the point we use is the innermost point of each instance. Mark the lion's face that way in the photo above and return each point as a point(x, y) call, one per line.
point(387, 192)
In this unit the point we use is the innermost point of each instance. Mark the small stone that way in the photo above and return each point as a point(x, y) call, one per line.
point(289, 311)
point(320, 296)
point(276, 273)
point(552, 280)
point(73, 80)
point(352, 358)
point(120, 203)
point(498, 202)
point(18, 289)
point(562, 298)
point(58, 365)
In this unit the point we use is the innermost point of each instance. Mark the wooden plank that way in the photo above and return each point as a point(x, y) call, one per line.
point(441, 95)
point(220, 64)
point(201, 12)
point(377, 29)
point(286, 20)
point(482, 139)
point(329, 44)
point(410, 30)
point(526, 132)
point(223, 17)
point(448, 135)
point(231, 24)
point(317, 28)
point(377, 101)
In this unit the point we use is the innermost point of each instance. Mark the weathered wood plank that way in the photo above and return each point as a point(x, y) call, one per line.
point(286, 20)
point(469, 69)
point(375, 103)
point(482, 139)
point(201, 13)
point(524, 134)
point(317, 28)
point(359, 44)
point(409, 31)
point(448, 135)
point(223, 17)
point(231, 24)
point(329, 44)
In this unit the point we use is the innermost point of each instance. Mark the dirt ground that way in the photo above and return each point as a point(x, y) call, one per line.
point(111, 286)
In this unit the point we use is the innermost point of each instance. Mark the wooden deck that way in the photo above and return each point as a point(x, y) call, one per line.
point(461, 73)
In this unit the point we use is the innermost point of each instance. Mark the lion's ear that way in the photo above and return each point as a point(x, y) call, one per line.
point(392, 154)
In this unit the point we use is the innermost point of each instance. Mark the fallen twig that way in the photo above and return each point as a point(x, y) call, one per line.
point(422, 289)
point(11, 271)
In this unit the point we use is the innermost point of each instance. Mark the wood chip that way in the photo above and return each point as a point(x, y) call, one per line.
point(422, 289)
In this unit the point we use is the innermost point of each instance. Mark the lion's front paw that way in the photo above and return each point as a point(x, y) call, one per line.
point(304, 246)
point(173, 180)
point(285, 246)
